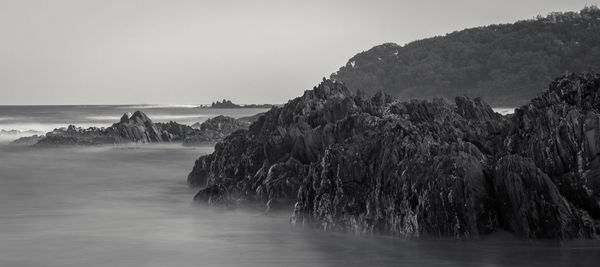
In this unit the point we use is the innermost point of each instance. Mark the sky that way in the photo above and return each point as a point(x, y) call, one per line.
point(63, 52)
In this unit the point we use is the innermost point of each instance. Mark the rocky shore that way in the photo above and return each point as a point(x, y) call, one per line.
point(139, 128)
point(214, 130)
point(342, 161)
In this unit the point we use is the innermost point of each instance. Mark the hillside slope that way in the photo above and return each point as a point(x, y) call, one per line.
point(506, 64)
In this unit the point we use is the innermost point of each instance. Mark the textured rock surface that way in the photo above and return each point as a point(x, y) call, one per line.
point(138, 127)
point(78, 136)
point(371, 164)
point(214, 130)
point(531, 205)
point(560, 131)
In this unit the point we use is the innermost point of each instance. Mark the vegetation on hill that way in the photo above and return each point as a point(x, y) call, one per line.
point(504, 64)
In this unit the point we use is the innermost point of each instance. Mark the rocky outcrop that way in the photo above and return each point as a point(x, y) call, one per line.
point(531, 205)
point(174, 131)
point(560, 131)
point(139, 128)
point(250, 119)
point(136, 127)
point(73, 135)
point(214, 130)
point(230, 105)
point(419, 168)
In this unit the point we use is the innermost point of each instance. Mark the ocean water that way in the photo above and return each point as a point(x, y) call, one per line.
point(19, 121)
point(504, 111)
point(41, 119)
point(129, 205)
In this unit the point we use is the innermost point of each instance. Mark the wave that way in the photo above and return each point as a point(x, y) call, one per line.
point(104, 118)
point(152, 117)
point(18, 132)
point(7, 118)
point(504, 111)
point(174, 117)
point(157, 106)
point(89, 121)
point(44, 127)
point(13, 134)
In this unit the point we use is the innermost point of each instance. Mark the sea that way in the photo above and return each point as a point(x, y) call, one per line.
point(129, 205)
point(18, 121)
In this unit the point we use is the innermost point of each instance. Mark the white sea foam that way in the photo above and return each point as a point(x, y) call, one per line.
point(157, 106)
point(504, 111)
point(45, 127)
point(6, 118)
point(175, 117)
point(8, 135)
point(158, 117)
point(104, 118)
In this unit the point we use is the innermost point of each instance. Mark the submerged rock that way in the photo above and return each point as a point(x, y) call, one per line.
point(417, 168)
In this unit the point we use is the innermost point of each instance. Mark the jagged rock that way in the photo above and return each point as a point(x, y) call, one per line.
point(214, 130)
point(420, 167)
point(196, 125)
point(560, 131)
point(138, 128)
point(78, 136)
point(250, 119)
point(230, 105)
point(532, 206)
point(174, 131)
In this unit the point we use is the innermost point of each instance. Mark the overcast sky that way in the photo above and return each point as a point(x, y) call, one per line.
point(190, 52)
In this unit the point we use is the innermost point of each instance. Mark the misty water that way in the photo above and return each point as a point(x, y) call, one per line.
point(129, 205)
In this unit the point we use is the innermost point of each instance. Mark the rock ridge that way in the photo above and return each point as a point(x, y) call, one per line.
point(343, 161)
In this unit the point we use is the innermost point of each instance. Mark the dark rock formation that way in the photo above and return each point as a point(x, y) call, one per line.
point(73, 135)
point(228, 104)
point(351, 162)
point(174, 131)
point(138, 127)
point(250, 119)
point(214, 130)
point(560, 131)
point(27, 140)
point(532, 206)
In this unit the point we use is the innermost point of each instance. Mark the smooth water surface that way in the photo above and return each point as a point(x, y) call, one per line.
point(129, 205)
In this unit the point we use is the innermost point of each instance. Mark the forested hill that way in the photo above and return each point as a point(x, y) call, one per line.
point(504, 64)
